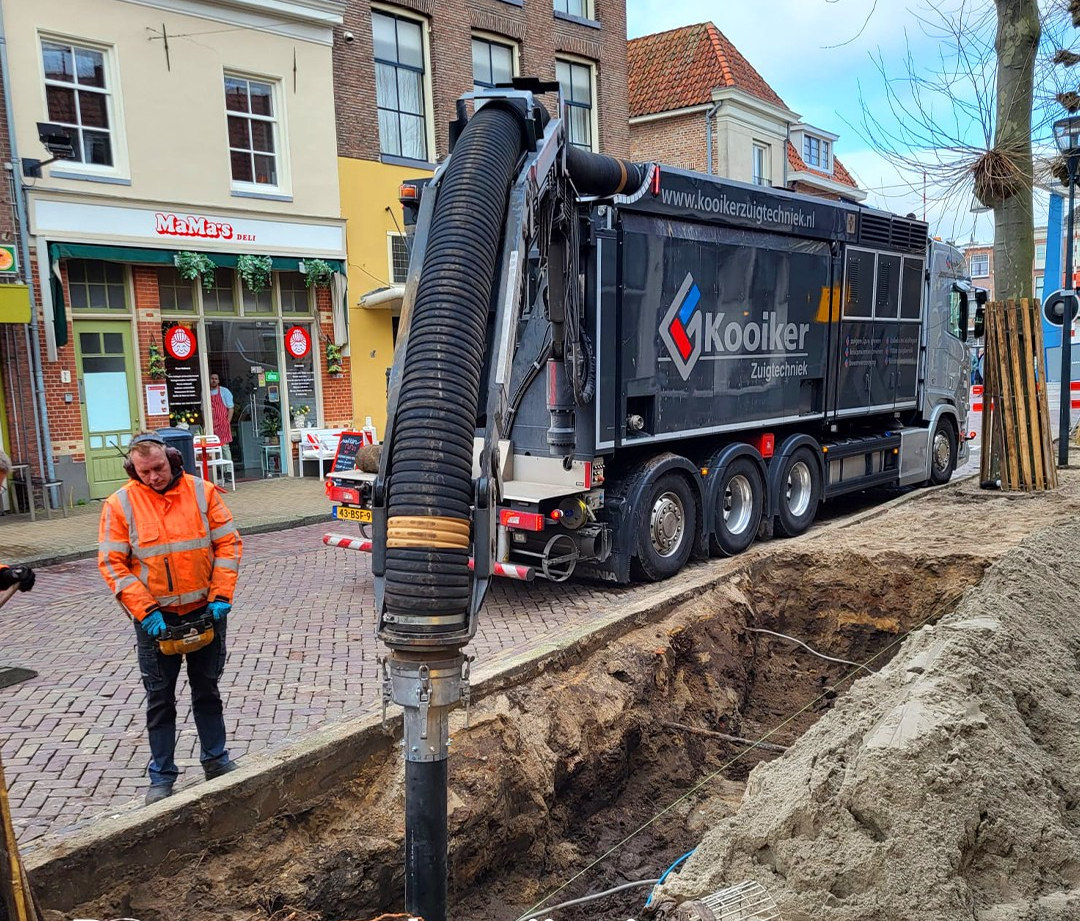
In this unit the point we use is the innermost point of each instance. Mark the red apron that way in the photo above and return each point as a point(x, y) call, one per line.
point(219, 414)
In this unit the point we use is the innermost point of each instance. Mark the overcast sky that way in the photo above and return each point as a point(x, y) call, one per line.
point(816, 54)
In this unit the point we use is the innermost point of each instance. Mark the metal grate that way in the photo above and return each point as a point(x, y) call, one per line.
point(399, 259)
point(748, 901)
point(886, 232)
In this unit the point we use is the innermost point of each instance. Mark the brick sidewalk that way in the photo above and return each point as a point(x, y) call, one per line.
point(302, 655)
point(257, 505)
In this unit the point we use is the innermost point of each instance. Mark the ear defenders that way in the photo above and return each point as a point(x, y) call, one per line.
point(176, 459)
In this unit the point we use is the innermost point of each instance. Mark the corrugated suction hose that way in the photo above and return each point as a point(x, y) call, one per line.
point(430, 491)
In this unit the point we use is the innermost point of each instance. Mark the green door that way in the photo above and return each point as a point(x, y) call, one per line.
point(110, 412)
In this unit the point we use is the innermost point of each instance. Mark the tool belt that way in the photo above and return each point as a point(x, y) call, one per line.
point(186, 634)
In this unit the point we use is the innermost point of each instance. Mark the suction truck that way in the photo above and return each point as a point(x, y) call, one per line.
point(608, 367)
point(670, 364)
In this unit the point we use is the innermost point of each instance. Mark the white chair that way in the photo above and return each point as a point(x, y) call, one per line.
point(209, 451)
point(318, 445)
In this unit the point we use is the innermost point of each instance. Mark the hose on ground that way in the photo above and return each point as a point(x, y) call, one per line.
point(430, 488)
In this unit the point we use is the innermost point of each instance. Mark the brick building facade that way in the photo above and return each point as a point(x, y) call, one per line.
point(428, 55)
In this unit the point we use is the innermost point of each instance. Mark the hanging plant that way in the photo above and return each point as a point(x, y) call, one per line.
point(255, 271)
point(333, 359)
point(195, 265)
point(317, 272)
point(155, 364)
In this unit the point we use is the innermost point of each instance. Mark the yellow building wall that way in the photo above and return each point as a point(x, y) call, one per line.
point(368, 189)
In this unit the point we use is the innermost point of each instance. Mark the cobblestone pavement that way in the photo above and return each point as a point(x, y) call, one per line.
point(302, 655)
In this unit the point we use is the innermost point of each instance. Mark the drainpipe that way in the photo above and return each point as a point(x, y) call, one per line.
point(708, 137)
point(784, 159)
point(41, 415)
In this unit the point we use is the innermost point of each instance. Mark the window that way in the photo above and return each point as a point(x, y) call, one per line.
point(573, 8)
point(77, 97)
point(399, 259)
point(980, 265)
point(1040, 254)
point(294, 293)
point(575, 81)
point(176, 294)
point(263, 302)
point(816, 152)
point(492, 63)
point(761, 165)
point(222, 297)
point(252, 119)
point(399, 86)
point(96, 285)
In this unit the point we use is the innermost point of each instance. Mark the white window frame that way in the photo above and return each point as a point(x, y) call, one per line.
point(763, 152)
point(281, 158)
point(824, 158)
point(972, 262)
point(425, 81)
point(113, 106)
point(489, 39)
point(593, 120)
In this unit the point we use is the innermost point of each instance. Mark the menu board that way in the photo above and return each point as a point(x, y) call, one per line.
point(348, 445)
point(183, 385)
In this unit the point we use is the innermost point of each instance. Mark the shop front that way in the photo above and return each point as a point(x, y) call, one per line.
point(245, 349)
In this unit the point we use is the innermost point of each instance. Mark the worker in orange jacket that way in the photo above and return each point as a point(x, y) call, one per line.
point(169, 551)
point(22, 576)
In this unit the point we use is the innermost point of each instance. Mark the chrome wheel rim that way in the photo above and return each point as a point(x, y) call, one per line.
point(667, 523)
point(738, 502)
point(798, 489)
point(942, 451)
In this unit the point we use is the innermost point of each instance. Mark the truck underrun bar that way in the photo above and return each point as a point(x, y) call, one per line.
point(507, 570)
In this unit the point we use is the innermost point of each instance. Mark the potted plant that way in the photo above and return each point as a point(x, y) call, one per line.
point(195, 265)
point(334, 365)
point(317, 273)
point(255, 271)
point(184, 418)
point(270, 427)
point(155, 364)
point(300, 415)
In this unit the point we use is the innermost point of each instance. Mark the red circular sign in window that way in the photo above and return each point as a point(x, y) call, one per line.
point(180, 343)
point(297, 341)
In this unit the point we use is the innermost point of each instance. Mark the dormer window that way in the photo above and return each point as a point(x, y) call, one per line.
point(816, 153)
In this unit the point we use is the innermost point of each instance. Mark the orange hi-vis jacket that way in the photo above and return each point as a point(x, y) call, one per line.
point(176, 550)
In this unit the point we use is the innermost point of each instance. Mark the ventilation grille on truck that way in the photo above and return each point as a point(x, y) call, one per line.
point(886, 232)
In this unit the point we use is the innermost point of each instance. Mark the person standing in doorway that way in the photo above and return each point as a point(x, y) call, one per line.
point(169, 552)
point(221, 413)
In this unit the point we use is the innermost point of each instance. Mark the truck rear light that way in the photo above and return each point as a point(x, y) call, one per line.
point(588, 474)
point(656, 179)
point(766, 444)
point(521, 521)
point(344, 494)
point(408, 193)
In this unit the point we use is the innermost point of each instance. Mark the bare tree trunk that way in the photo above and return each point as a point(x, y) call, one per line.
point(1014, 230)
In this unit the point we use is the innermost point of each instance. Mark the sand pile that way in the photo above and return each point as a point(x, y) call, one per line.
point(944, 787)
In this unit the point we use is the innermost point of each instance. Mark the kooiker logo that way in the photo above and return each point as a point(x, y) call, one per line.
point(681, 327)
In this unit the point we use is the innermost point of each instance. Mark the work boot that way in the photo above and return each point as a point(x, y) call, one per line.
point(158, 791)
point(214, 769)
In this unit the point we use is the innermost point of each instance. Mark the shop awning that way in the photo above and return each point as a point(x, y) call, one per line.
point(14, 303)
point(141, 255)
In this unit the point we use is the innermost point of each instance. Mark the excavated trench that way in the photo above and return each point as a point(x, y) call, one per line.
point(617, 752)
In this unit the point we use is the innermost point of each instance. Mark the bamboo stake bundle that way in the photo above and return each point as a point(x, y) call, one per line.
point(1017, 450)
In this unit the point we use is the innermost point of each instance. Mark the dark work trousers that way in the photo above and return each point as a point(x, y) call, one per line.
point(159, 674)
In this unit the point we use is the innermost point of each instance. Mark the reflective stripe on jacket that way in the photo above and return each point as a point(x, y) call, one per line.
point(177, 550)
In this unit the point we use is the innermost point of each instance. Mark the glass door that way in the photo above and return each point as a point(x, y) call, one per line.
point(107, 392)
point(245, 356)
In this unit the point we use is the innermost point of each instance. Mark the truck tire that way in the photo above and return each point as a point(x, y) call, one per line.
point(943, 449)
point(800, 492)
point(740, 497)
point(669, 526)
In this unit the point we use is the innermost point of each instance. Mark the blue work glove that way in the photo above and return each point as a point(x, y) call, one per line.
point(218, 609)
point(153, 625)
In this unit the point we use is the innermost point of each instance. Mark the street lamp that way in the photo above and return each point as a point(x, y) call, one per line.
point(1067, 136)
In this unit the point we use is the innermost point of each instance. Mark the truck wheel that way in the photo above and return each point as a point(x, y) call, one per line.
point(738, 507)
point(800, 492)
point(943, 452)
point(670, 523)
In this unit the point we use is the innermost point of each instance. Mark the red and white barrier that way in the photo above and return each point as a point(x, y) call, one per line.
point(1074, 394)
point(363, 544)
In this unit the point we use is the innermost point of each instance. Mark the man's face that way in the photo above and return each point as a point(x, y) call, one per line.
point(153, 468)
point(214, 381)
